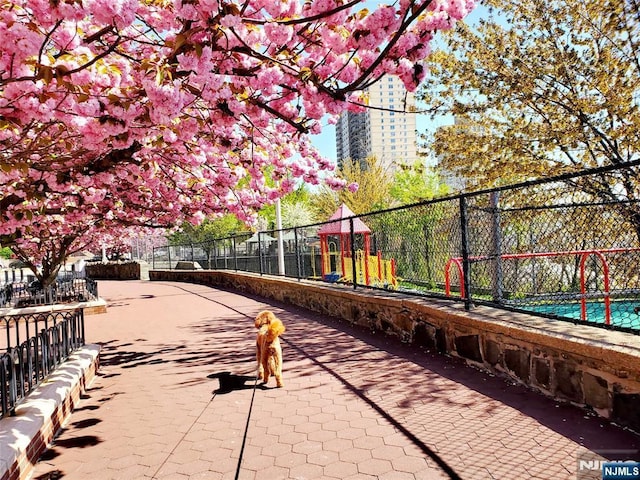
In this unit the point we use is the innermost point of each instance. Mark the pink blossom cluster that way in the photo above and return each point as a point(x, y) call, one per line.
point(121, 114)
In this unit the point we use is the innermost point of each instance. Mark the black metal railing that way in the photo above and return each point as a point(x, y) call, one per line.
point(33, 346)
point(557, 248)
point(64, 290)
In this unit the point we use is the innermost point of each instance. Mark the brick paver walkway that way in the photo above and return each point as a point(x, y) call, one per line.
point(174, 399)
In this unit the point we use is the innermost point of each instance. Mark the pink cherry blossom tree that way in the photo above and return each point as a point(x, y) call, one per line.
point(148, 113)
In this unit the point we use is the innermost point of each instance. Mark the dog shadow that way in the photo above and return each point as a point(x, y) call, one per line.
point(230, 382)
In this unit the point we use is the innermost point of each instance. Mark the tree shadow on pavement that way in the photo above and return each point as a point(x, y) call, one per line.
point(369, 365)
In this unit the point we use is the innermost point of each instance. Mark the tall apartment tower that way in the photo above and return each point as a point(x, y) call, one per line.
point(388, 135)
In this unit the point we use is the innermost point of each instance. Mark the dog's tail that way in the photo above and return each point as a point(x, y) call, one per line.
point(264, 318)
point(276, 328)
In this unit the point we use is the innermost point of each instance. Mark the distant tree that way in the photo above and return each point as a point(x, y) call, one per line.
point(205, 234)
point(416, 183)
point(296, 215)
point(207, 231)
point(296, 210)
point(372, 193)
point(540, 88)
point(46, 254)
point(414, 232)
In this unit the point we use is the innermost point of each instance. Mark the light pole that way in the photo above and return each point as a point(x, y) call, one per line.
point(280, 241)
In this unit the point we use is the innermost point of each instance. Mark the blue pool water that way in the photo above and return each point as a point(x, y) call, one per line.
point(624, 313)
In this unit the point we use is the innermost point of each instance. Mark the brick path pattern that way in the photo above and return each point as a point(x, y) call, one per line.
point(175, 399)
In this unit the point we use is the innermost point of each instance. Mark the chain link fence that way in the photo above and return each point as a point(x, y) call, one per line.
point(566, 248)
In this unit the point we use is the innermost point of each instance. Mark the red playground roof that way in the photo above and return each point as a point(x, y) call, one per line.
point(341, 225)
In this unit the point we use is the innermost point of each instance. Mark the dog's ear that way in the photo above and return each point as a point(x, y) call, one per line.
point(260, 319)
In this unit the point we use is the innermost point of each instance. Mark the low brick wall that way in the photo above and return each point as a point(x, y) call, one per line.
point(113, 271)
point(25, 436)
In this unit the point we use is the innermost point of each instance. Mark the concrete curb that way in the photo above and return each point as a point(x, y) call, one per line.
point(25, 436)
point(89, 308)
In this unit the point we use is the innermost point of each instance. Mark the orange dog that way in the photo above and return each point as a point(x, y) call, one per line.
point(268, 349)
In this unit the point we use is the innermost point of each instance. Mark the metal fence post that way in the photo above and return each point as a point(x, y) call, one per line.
point(235, 254)
point(297, 250)
point(352, 236)
point(466, 266)
point(260, 256)
point(169, 255)
point(497, 285)
point(214, 254)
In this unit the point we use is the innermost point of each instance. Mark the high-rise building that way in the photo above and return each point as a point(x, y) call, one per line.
point(384, 130)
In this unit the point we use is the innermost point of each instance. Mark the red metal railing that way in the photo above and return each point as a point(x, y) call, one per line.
point(584, 255)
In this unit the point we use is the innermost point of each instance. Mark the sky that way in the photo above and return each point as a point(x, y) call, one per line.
point(326, 141)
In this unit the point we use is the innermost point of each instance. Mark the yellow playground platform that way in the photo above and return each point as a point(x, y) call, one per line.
point(338, 260)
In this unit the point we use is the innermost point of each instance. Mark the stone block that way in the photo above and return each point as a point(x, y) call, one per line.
point(596, 391)
point(517, 360)
point(468, 346)
point(424, 335)
point(187, 265)
point(441, 341)
point(626, 409)
point(403, 322)
point(492, 352)
point(542, 372)
point(568, 381)
point(388, 327)
point(354, 313)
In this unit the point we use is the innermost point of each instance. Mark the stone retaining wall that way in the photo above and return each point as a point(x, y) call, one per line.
point(591, 367)
point(113, 271)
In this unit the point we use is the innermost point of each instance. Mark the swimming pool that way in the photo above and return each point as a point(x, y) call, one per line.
point(624, 313)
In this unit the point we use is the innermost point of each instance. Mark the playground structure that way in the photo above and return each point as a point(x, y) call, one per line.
point(583, 255)
point(338, 258)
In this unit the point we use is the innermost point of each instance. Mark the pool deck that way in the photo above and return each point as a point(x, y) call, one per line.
point(176, 398)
